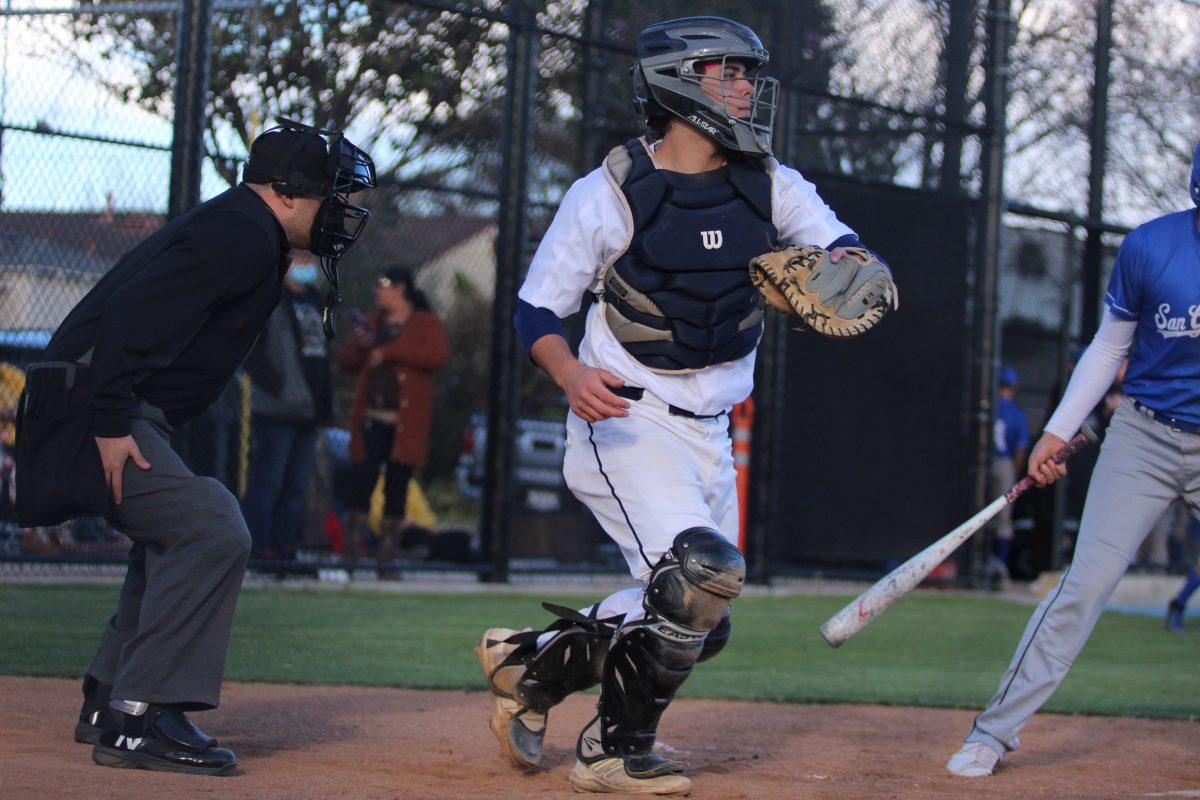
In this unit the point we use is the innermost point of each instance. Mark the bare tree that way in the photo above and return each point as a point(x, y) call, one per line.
point(416, 85)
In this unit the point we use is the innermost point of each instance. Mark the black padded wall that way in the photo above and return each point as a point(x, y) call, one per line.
point(876, 455)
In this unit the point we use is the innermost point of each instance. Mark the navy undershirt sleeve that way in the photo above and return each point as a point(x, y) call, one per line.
point(851, 240)
point(533, 322)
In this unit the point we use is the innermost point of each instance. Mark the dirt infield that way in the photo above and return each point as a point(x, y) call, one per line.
point(298, 742)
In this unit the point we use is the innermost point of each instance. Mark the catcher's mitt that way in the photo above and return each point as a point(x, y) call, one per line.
point(838, 300)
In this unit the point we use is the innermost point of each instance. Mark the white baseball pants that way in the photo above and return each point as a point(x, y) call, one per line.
point(648, 477)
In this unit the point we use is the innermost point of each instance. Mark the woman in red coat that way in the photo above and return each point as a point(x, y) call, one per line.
point(394, 352)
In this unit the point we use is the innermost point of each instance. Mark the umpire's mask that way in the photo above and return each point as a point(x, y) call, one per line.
point(303, 161)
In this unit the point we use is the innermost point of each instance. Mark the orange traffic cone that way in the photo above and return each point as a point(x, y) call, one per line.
point(742, 419)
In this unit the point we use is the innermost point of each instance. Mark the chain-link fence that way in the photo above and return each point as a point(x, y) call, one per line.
point(1101, 127)
point(479, 117)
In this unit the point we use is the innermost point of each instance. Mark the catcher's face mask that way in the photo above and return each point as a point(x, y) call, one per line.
point(739, 91)
point(707, 71)
point(320, 163)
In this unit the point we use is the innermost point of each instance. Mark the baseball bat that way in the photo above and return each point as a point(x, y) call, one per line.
point(867, 607)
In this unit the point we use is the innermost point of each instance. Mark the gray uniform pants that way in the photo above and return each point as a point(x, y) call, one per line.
point(1143, 466)
point(167, 641)
point(1004, 475)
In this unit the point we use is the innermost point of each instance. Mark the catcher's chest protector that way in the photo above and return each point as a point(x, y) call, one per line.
point(679, 298)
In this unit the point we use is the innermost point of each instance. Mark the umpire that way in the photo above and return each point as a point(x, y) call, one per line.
point(157, 339)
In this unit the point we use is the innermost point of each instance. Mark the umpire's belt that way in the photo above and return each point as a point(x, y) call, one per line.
point(635, 393)
point(1166, 419)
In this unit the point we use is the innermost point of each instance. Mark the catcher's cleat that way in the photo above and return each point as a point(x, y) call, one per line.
point(1175, 617)
point(518, 728)
point(974, 760)
point(635, 775)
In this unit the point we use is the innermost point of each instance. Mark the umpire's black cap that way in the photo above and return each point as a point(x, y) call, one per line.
point(305, 152)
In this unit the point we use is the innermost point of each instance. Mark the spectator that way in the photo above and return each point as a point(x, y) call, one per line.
point(1191, 583)
point(1167, 535)
point(210, 444)
point(1012, 446)
point(394, 352)
point(290, 399)
point(12, 383)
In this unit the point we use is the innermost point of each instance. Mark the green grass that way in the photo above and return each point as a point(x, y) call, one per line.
point(929, 650)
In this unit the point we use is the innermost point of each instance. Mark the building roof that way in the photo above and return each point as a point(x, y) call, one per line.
point(412, 241)
point(90, 242)
point(106, 235)
point(44, 255)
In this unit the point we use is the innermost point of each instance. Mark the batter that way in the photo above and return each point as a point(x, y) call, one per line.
point(1150, 457)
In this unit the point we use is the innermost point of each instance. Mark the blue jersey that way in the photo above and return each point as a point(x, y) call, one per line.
point(1012, 428)
point(1156, 281)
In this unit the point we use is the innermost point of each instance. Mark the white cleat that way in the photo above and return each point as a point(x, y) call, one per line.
point(610, 775)
point(518, 729)
point(974, 760)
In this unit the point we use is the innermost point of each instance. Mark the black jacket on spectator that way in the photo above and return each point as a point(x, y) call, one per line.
point(175, 316)
point(289, 368)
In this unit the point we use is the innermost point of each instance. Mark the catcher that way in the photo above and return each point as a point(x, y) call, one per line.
point(663, 233)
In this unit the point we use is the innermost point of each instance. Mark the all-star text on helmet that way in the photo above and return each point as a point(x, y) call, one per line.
point(705, 71)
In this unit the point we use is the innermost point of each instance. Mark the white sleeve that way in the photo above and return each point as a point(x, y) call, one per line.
point(588, 226)
point(1093, 374)
point(801, 216)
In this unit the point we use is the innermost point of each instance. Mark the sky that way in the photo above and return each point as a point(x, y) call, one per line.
point(39, 83)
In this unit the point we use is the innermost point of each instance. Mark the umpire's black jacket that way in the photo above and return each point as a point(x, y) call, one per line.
point(175, 316)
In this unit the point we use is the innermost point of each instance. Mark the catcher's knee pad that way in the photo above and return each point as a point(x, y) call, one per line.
point(717, 638)
point(541, 677)
point(693, 583)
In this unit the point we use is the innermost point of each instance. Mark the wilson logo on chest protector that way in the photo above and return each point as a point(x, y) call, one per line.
point(712, 240)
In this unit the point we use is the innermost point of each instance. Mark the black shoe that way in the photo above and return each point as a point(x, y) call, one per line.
point(1175, 617)
point(164, 740)
point(95, 717)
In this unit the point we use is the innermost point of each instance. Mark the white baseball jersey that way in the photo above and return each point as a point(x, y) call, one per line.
point(589, 231)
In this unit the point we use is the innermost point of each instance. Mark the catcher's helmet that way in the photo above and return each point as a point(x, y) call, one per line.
point(1195, 184)
point(667, 79)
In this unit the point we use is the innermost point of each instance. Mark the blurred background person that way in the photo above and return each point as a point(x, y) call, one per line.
point(210, 445)
point(1011, 436)
point(1166, 537)
point(1191, 583)
point(290, 399)
point(12, 383)
point(394, 352)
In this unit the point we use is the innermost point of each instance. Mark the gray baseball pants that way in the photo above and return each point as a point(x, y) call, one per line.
point(1144, 465)
point(166, 643)
point(1004, 475)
